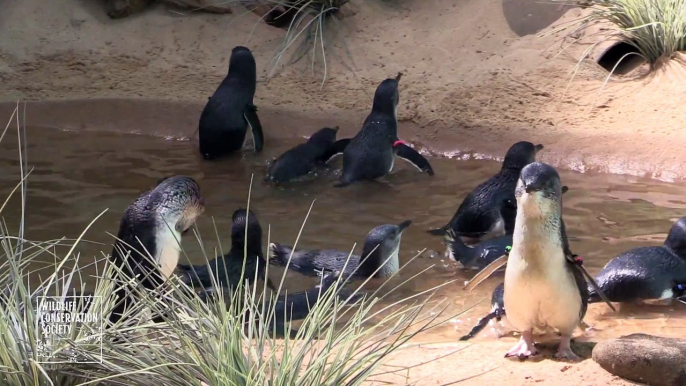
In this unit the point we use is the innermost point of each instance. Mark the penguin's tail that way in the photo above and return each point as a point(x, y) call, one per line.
point(459, 251)
point(480, 325)
point(438, 231)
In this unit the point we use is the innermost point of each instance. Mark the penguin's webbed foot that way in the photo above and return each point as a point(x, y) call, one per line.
point(564, 351)
point(525, 348)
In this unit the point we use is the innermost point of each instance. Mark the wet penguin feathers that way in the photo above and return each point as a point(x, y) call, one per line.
point(305, 157)
point(230, 113)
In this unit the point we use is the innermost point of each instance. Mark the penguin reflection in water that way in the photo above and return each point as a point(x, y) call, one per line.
point(152, 227)
point(544, 287)
point(230, 113)
point(371, 153)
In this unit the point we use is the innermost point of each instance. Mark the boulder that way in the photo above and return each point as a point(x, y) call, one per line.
point(648, 359)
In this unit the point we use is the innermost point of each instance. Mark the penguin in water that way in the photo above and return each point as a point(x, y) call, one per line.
point(371, 153)
point(227, 270)
point(230, 113)
point(152, 225)
point(544, 286)
point(304, 158)
point(379, 256)
point(646, 273)
point(490, 209)
point(479, 256)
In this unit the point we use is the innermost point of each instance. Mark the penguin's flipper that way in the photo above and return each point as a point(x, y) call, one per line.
point(335, 150)
point(412, 156)
point(682, 299)
point(442, 231)
point(250, 115)
point(480, 325)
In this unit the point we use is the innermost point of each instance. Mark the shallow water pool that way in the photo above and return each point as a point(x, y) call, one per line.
point(78, 174)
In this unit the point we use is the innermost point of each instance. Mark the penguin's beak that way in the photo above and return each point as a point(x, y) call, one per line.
point(538, 147)
point(403, 225)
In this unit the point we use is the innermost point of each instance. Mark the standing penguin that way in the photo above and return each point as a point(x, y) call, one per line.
point(152, 227)
point(371, 153)
point(544, 286)
point(490, 209)
point(230, 112)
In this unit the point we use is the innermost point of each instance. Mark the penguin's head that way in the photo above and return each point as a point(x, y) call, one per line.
point(676, 240)
point(177, 201)
point(325, 136)
point(242, 63)
point(521, 154)
point(387, 97)
point(240, 219)
point(381, 247)
point(539, 190)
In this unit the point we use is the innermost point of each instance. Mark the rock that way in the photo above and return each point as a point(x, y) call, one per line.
point(117, 9)
point(653, 360)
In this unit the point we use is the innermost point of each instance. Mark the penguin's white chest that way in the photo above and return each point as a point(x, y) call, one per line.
point(169, 251)
point(540, 291)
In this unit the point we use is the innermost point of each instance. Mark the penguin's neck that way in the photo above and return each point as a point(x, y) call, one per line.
point(369, 262)
point(537, 240)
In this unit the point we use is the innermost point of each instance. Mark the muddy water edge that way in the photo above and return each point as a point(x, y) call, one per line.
point(98, 154)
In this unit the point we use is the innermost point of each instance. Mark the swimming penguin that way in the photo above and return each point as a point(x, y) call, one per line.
point(490, 209)
point(230, 112)
point(227, 269)
point(544, 286)
point(380, 250)
point(497, 312)
point(302, 159)
point(371, 153)
point(480, 255)
point(646, 273)
point(153, 225)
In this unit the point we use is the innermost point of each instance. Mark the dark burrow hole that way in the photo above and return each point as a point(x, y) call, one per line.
point(624, 51)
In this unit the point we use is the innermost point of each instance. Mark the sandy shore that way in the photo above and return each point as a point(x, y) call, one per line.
point(471, 84)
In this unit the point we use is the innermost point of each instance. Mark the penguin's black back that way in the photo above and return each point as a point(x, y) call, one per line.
point(222, 127)
point(641, 273)
point(303, 158)
point(311, 262)
point(481, 209)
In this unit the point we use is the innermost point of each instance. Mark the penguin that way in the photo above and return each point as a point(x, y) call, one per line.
point(226, 270)
point(544, 286)
point(646, 273)
point(305, 157)
point(490, 209)
point(371, 153)
point(380, 250)
point(230, 112)
point(497, 312)
point(152, 226)
point(478, 256)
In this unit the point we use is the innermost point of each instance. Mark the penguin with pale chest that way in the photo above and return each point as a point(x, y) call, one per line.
point(371, 153)
point(544, 288)
point(148, 244)
point(230, 113)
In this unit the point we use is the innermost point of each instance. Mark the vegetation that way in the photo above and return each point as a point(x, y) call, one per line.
point(656, 28)
point(225, 341)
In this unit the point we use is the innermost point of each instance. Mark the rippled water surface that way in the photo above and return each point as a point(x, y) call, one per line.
point(78, 174)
